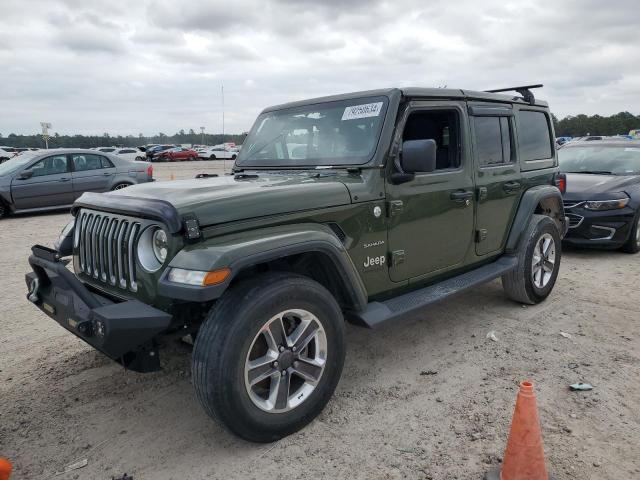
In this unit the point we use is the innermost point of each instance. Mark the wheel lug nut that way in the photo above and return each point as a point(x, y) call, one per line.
point(275, 364)
point(293, 349)
point(296, 364)
point(281, 348)
point(284, 372)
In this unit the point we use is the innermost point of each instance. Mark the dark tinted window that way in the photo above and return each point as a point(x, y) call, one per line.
point(50, 166)
point(493, 140)
point(440, 126)
point(106, 163)
point(84, 161)
point(534, 139)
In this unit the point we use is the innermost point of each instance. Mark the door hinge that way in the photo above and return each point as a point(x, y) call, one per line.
point(482, 193)
point(481, 235)
point(395, 207)
point(397, 257)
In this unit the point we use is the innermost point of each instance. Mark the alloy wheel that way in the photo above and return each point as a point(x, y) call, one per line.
point(544, 260)
point(120, 186)
point(285, 361)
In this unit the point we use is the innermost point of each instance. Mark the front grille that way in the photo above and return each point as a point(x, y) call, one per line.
point(574, 220)
point(106, 245)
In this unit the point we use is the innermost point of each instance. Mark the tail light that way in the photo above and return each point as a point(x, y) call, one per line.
point(150, 171)
point(560, 180)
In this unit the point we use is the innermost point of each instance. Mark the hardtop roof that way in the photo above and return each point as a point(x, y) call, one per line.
point(414, 92)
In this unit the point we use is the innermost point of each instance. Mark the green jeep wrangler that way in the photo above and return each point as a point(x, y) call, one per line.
point(362, 207)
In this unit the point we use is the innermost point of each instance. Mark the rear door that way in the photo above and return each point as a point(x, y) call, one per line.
point(497, 174)
point(91, 173)
point(49, 184)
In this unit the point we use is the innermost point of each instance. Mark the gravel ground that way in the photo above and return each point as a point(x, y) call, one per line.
point(429, 397)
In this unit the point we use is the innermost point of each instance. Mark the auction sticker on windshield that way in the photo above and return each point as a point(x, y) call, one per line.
point(362, 111)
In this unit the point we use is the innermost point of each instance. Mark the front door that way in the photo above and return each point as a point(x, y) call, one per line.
point(498, 183)
point(48, 185)
point(91, 173)
point(431, 217)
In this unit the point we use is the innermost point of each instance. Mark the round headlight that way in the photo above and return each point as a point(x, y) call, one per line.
point(160, 245)
point(153, 246)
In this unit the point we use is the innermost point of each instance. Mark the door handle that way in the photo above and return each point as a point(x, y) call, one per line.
point(461, 196)
point(511, 186)
point(106, 174)
point(64, 179)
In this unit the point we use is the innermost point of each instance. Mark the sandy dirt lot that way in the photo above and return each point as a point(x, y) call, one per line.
point(429, 397)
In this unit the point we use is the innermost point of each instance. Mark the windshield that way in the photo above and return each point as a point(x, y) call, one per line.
point(333, 133)
point(604, 159)
point(14, 163)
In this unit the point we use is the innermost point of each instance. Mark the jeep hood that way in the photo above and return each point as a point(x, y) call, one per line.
point(225, 199)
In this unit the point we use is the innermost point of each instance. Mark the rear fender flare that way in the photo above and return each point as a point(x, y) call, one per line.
point(543, 199)
point(247, 249)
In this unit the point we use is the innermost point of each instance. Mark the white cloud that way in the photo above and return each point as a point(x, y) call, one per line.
point(89, 66)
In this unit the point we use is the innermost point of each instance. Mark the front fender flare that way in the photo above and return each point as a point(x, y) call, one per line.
point(547, 196)
point(242, 250)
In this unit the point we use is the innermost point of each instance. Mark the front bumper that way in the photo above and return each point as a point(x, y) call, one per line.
point(607, 228)
point(124, 331)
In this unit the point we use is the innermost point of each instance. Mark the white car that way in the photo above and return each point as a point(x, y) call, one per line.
point(129, 153)
point(218, 152)
point(6, 153)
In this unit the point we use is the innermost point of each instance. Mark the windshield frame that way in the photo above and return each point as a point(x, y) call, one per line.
point(243, 162)
point(598, 168)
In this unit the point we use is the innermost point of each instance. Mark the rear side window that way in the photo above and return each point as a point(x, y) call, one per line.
point(106, 163)
point(534, 138)
point(83, 162)
point(493, 140)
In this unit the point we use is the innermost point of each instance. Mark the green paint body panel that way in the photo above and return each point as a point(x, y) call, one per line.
point(397, 237)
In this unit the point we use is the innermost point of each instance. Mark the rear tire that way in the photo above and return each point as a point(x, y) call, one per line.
point(240, 336)
point(212, 157)
point(4, 210)
point(633, 243)
point(233, 157)
point(120, 186)
point(539, 258)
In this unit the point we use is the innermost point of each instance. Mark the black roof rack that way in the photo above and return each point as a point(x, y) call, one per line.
point(524, 90)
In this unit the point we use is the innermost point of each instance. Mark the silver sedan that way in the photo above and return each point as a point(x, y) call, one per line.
point(53, 179)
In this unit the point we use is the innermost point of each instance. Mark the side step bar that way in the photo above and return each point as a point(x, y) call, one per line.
point(377, 313)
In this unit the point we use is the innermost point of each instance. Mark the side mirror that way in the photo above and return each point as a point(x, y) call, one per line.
point(25, 174)
point(418, 156)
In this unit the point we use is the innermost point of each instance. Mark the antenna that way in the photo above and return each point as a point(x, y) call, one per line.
point(524, 90)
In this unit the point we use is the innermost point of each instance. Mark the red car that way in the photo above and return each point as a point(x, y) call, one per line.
point(176, 154)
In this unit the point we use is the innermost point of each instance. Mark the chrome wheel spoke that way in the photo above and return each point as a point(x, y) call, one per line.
point(275, 334)
point(543, 261)
point(301, 339)
point(260, 369)
point(308, 370)
point(282, 392)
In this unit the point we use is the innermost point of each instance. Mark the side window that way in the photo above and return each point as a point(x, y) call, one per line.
point(83, 162)
point(441, 126)
point(492, 140)
point(534, 139)
point(50, 166)
point(106, 163)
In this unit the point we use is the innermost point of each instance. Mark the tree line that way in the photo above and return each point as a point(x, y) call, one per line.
point(105, 140)
point(570, 126)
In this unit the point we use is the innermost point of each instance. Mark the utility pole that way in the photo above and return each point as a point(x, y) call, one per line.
point(45, 133)
point(202, 131)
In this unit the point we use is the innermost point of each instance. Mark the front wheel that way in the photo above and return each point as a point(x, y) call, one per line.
point(538, 263)
point(633, 243)
point(269, 356)
point(212, 157)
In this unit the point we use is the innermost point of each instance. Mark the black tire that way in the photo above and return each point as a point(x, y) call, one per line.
point(120, 186)
point(225, 338)
point(633, 243)
point(4, 210)
point(212, 157)
point(139, 159)
point(233, 157)
point(519, 284)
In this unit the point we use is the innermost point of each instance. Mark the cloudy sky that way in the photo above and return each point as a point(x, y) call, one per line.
point(148, 66)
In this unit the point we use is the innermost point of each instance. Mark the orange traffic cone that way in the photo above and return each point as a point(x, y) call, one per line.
point(5, 469)
point(524, 455)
